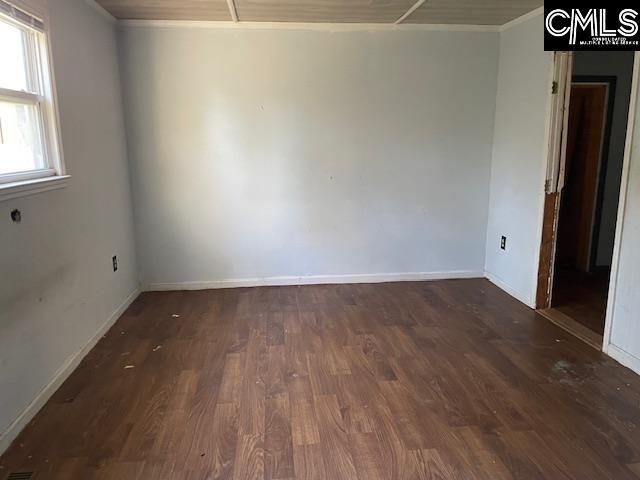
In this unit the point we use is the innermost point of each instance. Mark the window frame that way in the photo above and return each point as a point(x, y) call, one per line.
point(40, 79)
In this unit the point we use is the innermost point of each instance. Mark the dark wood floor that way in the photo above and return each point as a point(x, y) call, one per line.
point(582, 296)
point(431, 380)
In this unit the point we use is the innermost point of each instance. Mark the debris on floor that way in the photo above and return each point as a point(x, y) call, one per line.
point(175, 315)
point(126, 367)
point(562, 366)
point(157, 347)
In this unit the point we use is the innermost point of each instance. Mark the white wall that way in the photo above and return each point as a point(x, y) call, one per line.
point(519, 156)
point(625, 325)
point(271, 153)
point(57, 288)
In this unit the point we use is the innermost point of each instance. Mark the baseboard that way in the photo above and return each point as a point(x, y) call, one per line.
point(60, 376)
point(498, 282)
point(624, 357)
point(315, 280)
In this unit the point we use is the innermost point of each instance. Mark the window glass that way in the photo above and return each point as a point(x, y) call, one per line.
point(20, 138)
point(13, 53)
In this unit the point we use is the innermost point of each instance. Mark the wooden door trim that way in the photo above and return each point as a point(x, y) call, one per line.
point(556, 138)
point(547, 249)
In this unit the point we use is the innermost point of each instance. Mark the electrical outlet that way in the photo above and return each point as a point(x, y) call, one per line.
point(503, 242)
point(114, 261)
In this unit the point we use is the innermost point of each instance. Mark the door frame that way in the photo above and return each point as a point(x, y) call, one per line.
point(557, 121)
point(610, 82)
point(622, 203)
point(555, 163)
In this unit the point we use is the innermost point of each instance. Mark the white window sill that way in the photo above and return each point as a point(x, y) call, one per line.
point(31, 187)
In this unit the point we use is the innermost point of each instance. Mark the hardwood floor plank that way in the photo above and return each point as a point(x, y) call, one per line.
point(278, 461)
point(338, 461)
point(275, 328)
point(231, 384)
point(406, 381)
point(635, 468)
point(323, 382)
point(304, 424)
point(222, 454)
point(253, 387)
point(309, 462)
point(405, 415)
point(249, 461)
point(366, 456)
point(275, 384)
point(429, 465)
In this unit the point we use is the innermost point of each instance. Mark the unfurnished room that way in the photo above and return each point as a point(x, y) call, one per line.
point(319, 240)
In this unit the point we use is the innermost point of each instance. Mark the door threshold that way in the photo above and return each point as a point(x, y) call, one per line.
point(576, 329)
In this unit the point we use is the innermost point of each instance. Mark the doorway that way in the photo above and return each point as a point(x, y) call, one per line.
point(581, 214)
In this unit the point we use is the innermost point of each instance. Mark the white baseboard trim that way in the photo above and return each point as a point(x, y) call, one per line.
point(314, 280)
point(498, 282)
point(624, 357)
point(69, 365)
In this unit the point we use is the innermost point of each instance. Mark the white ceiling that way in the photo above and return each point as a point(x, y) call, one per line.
point(464, 12)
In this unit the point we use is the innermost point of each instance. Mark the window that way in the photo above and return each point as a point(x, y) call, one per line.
point(29, 146)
